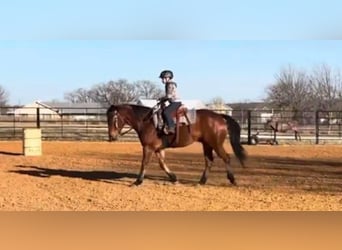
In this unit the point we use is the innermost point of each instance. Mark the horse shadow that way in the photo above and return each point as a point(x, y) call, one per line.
point(101, 176)
point(316, 175)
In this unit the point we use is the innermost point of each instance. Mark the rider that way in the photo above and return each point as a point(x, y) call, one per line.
point(169, 99)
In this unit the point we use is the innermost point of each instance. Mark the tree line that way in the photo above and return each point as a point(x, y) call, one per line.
point(115, 92)
point(293, 90)
point(4, 95)
point(297, 89)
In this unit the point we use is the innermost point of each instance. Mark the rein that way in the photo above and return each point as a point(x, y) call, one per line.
point(144, 119)
point(129, 130)
point(150, 113)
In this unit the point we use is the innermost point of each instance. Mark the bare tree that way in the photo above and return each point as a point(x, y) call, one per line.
point(115, 92)
point(148, 90)
point(79, 95)
point(218, 104)
point(291, 91)
point(3, 96)
point(217, 101)
point(327, 89)
point(101, 93)
point(326, 86)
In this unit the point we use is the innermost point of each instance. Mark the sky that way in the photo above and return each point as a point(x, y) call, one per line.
point(176, 19)
point(228, 49)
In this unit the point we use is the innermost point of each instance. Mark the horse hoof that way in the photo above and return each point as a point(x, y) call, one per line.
point(136, 183)
point(202, 181)
point(231, 178)
point(173, 178)
point(234, 183)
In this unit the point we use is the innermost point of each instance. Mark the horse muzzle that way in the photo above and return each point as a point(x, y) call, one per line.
point(112, 138)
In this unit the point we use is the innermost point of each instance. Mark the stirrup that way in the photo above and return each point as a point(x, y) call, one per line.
point(165, 131)
point(172, 131)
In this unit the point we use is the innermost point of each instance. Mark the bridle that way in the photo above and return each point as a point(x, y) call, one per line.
point(115, 120)
point(117, 117)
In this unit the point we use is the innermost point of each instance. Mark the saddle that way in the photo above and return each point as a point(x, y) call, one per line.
point(180, 117)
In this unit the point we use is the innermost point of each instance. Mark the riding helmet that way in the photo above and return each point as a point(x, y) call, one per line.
point(166, 74)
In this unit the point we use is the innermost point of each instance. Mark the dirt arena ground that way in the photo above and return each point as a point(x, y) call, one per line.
point(82, 176)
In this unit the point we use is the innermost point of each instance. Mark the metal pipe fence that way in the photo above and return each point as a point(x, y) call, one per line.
point(315, 127)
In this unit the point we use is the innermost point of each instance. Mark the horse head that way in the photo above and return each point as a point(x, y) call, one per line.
point(126, 114)
point(116, 122)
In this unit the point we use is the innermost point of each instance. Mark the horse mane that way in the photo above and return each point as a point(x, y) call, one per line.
point(139, 111)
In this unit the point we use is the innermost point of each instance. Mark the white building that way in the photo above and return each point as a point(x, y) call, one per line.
point(221, 108)
point(54, 110)
point(30, 110)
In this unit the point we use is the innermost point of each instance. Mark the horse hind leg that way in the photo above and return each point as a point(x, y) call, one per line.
point(161, 157)
point(226, 158)
point(209, 158)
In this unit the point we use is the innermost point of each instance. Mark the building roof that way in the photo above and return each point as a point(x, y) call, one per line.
point(61, 108)
point(30, 109)
point(74, 108)
point(251, 106)
point(220, 106)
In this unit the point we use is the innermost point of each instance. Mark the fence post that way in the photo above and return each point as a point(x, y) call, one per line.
point(14, 121)
point(62, 124)
point(249, 123)
point(339, 123)
point(38, 117)
point(317, 126)
point(86, 118)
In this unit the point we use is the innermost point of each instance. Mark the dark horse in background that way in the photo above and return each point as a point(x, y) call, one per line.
point(210, 129)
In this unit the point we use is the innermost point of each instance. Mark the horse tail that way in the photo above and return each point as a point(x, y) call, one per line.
point(234, 131)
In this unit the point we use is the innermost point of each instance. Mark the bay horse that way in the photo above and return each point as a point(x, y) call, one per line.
point(210, 129)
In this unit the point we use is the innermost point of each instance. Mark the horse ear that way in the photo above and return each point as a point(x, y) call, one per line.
point(111, 108)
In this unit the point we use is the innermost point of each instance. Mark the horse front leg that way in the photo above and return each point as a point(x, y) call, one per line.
point(161, 157)
point(147, 155)
point(297, 136)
